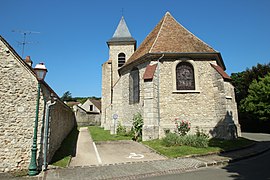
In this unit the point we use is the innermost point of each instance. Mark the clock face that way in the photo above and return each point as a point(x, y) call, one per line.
point(185, 77)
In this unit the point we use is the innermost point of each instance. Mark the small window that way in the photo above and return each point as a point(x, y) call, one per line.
point(134, 86)
point(91, 108)
point(121, 59)
point(185, 76)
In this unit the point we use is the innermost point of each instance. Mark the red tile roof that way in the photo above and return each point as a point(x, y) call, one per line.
point(221, 72)
point(170, 37)
point(149, 72)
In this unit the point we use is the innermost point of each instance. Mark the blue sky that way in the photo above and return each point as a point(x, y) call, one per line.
point(73, 34)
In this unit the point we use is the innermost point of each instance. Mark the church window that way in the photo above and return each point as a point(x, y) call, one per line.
point(185, 76)
point(134, 86)
point(121, 59)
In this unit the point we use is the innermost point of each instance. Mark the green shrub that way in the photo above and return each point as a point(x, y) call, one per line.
point(201, 133)
point(173, 139)
point(137, 126)
point(194, 141)
point(121, 130)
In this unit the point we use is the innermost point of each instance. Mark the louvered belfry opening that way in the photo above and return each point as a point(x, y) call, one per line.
point(121, 59)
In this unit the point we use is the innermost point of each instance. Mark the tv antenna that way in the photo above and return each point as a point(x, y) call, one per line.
point(24, 42)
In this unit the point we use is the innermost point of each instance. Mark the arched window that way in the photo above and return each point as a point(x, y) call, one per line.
point(134, 86)
point(121, 59)
point(185, 76)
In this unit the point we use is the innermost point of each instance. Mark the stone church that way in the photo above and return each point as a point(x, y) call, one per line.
point(171, 75)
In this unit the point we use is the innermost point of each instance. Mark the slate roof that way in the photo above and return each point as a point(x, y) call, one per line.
point(170, 37)
point(121, 33)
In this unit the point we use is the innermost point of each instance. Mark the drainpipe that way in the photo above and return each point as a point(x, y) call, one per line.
point(45, 142)
point(158, 100)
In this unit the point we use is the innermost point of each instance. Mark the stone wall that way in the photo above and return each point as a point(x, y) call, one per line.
point(205, 107)
point(227, 125)
point(106, 95)
point(62, 121)
point(121, 105)
point(84, 118)
point(18, 95)
point(110, 83)
point(18, 91)
point(128, 50)
point(211, 106)
point(150, 114)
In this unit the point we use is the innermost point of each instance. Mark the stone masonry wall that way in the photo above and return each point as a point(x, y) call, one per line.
point(128, 50)
point(150, 109)
point(106, 95)
point(121, 104)
point(62, 121)
point(227, 125)
point(110, 79)
point(205, 107)
point(18, 95)
point(198, 107)
point(18, 91)
point(87, 119)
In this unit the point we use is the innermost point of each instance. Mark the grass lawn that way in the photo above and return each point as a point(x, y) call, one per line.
point(99, 134)
point(215, 146)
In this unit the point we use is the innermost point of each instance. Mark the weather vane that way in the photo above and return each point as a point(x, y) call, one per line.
point(24, 42)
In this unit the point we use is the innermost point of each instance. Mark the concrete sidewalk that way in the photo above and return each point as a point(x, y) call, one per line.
point(85, 150)
point(155, 168)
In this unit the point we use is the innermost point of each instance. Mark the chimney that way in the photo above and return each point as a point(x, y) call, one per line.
point(28, 61)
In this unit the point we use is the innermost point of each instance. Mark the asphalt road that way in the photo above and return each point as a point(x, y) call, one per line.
point(255, 168)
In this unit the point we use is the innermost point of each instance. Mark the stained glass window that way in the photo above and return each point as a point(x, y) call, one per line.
point(185, 76)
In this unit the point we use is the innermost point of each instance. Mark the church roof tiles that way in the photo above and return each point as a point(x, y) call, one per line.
point(170, 37)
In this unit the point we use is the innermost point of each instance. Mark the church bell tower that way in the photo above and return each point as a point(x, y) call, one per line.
point(121, 46)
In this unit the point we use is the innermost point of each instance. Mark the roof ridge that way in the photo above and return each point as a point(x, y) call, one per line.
point(158, 33)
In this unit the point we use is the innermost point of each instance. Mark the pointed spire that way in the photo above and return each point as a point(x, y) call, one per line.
point(122, 33)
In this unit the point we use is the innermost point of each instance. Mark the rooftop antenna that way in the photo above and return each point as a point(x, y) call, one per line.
point(122, 12)
point(23, 43)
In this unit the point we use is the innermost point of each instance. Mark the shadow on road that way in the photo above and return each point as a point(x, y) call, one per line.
point(255, 167)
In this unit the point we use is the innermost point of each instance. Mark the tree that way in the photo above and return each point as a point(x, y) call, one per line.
point(257, 102)
point(67, 96)
point(242, 80)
